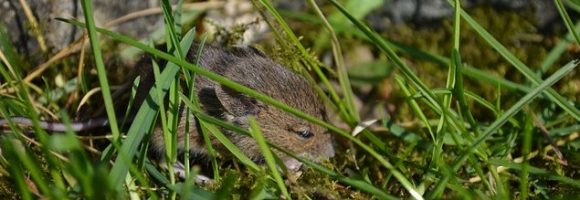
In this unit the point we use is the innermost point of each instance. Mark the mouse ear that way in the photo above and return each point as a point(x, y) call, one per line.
point(236, 103)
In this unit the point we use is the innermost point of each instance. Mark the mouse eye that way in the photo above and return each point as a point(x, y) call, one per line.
point(304, 133)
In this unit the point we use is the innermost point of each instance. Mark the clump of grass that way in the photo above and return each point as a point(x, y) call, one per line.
point(452, 153)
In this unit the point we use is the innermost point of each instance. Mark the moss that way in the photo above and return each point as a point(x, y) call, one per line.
point(7, 190)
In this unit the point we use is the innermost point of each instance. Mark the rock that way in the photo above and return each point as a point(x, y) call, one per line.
point(57, 34)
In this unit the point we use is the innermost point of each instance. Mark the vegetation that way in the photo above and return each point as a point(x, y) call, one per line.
point(470, 114)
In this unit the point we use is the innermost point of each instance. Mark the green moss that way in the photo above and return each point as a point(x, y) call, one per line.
point(7, 190)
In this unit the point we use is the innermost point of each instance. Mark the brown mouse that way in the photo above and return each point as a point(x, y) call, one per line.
point(249, 67)
point(252, 68)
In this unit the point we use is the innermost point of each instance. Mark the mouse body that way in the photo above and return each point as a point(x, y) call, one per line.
point(249, 67)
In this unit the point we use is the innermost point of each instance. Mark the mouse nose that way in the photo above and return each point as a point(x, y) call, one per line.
point(328, 149)
point(324, 149)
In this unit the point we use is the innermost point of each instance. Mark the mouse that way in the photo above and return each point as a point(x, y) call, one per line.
point(252, 68)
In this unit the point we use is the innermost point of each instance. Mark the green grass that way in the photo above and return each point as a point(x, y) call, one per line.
point(461, 142)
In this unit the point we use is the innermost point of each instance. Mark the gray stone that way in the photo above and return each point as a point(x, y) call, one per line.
point(58, 34)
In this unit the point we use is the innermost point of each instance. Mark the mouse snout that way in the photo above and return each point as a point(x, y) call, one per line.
point(324, 149)
point(327, 149)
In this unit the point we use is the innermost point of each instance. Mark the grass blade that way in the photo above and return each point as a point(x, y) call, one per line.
point(567, 20)
point(256, 132)
point(101, 72)
point(352, 115)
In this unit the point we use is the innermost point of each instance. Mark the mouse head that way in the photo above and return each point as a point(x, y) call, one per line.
point(279, 127)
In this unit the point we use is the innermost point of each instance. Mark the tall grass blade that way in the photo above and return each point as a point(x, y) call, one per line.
point(256, 132)
point(101, 72)
point(352, 115)
point(567, 20)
